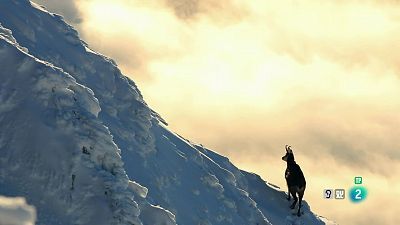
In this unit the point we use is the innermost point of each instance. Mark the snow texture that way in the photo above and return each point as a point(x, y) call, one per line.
point(15, 211)
point(80, 144)
point(50, 128)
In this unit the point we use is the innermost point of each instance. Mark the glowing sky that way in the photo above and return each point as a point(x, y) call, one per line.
point(247, 77)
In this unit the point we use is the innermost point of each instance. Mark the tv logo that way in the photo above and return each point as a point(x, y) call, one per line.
point(358, 180)
point(339, 193)
point(358, 194)
point(334, 194)
point(328, 193)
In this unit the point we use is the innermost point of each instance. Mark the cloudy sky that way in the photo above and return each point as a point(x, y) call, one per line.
point(247, 77)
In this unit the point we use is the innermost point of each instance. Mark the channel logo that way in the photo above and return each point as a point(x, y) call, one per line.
point(357, 193)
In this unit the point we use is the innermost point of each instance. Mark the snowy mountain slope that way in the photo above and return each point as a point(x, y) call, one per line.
point(269, 198)
point(47, 122)
point(197, 185)
point(90, 139)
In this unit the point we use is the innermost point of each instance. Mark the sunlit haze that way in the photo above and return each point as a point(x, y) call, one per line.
point(244, 78)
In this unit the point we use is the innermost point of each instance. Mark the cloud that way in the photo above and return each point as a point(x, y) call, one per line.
point(357, 35)
point(184, 8)
point(67, 8)
point(222, 12)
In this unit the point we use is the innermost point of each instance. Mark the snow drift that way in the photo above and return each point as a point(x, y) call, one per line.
point(79, 142)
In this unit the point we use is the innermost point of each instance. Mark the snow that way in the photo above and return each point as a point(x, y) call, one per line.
point(156, 215)
point(138, 189)
point(15, 211)
point(56, 118)
point(96, 152)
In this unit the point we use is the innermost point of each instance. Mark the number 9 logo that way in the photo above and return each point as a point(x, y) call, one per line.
point(358, 194)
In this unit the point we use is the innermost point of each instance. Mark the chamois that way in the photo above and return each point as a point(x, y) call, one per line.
point(294, 178)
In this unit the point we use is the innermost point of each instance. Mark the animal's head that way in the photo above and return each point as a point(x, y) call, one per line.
point(289, 157)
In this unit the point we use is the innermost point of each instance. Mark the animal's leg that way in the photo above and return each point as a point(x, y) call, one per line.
point(288, 194)
point(293, 192)
point(301, 194)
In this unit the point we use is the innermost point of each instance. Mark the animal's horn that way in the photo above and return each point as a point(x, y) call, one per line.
point(289, 148)
point(286, 146)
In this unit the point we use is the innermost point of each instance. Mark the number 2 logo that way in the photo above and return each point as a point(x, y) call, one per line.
point(358, 194)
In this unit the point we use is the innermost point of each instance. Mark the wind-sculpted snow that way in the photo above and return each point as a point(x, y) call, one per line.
point(54, 149)
point(81, 128)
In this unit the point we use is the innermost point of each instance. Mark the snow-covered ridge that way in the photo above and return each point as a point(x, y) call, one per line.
point(50, 120)
point(81, 128)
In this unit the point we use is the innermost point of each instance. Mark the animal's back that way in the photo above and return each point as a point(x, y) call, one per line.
point(296, 176)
